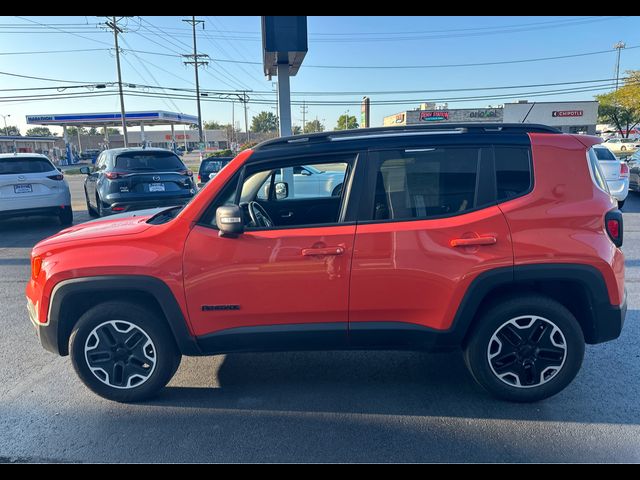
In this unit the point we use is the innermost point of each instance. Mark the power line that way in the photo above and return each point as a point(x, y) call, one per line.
point(64, 31)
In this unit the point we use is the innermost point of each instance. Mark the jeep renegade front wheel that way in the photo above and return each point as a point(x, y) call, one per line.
point(525, 349)
point(123, 352)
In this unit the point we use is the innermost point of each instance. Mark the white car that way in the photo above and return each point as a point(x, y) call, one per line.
point(31, 185)
point(616, 173)
point(622, 145)
point(311, 182)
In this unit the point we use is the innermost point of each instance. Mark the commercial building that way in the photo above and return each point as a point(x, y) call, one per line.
point(569, 117)
point(19, 144)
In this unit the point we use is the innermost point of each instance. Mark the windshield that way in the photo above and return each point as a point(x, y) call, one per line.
point(24, 165)
point(141, 161)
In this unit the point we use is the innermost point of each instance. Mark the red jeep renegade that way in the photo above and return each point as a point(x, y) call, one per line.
point(498, 239)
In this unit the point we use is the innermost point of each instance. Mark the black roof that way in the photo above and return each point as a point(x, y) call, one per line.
point(406, 130)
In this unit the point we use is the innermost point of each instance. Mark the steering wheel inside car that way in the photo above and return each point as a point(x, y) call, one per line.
point(259, 215)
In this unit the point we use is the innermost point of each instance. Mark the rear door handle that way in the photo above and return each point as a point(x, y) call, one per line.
point(311, 252)
point(470, 242)
point(288, 214)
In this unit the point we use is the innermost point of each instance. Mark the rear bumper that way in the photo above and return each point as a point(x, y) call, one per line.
point(127, 205)
point(619, 189)
point(25, 212)
point(609, 320)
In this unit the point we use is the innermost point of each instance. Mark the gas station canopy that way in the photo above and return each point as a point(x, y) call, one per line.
point(113, 119)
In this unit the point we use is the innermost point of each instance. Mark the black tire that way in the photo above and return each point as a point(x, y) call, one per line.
point(621, 203)
point(526, 360)
point(337, 191)
point(159, 342)
point(623, 148)
point(100, 208)
point(66, 216)
point(90, 209)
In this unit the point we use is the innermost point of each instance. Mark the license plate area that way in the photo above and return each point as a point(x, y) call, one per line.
point(156, 187)
point(23, 188)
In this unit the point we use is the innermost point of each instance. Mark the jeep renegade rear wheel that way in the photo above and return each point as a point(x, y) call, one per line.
point(525, 349)
point(122, 352)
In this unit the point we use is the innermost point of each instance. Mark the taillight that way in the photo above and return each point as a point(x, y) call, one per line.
point(113, 175)
point(36, 267)
point(624, 170)
point(614, 226)
point(117, 209)
point(199, 178)
point(56, 177)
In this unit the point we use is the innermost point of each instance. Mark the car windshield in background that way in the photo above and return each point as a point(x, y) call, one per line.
point(141, 161)
point(604, 154)
point(10, 166)
point(213, 166)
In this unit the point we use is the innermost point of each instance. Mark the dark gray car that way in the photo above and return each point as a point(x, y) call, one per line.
point(125, 179)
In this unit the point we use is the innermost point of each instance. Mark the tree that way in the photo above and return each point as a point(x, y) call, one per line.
point(93, 131)
point(296, 130)
point(73, 131)
point(212, 125)
point(622, 107)
point(39, 132)
point(264, 122)
point(10, 130)
point(113, 131)
point(244, 146)
point(314, 126)
point(346, 122)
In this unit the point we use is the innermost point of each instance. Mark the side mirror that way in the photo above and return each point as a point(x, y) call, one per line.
point(85, 170)
point(282, 190)
point(230, 221)
point(304, 172)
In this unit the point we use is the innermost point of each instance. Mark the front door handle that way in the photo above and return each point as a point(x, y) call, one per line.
point(311, 252)
point(471, 242)
point(288, 214)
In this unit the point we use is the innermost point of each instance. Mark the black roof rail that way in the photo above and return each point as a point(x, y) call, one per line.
point(440, 128)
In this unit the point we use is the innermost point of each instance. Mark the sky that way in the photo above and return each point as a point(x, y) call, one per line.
point(384, 43)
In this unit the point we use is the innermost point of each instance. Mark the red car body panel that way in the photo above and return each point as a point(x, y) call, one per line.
point(266, 275)
point(409, 271)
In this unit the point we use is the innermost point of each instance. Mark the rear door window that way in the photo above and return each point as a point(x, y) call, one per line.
point(148, 161)
point(19, 165)
point(426, 183)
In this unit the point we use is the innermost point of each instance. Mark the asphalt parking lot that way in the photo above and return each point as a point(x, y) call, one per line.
point(308, 407)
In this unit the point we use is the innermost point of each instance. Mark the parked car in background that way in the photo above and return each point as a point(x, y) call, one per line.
point(633, 163)
point(209, 168)
point(90, 154)
point(126, 179)
point(621, 145)
point(310, 182)
point(31, 185)
point(616, 173)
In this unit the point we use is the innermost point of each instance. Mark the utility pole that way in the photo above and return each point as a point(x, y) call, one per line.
point(304, 110)
point(196, 62)
point(618, 46)
point(6, 131)
point(246, 119)
point(113, 24)
point(233, 124)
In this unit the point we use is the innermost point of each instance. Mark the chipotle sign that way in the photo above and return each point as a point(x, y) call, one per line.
point(567, 113)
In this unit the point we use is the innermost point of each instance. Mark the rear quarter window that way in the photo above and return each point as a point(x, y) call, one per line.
point(17, 165)
point(513, 172)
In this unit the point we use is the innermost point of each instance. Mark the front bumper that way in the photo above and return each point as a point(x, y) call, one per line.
point(47, 333)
